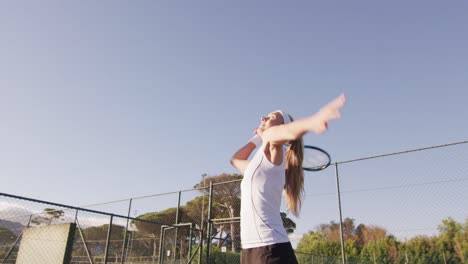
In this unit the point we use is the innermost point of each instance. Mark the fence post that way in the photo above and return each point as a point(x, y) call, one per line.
point(76, 216)
point(202, 224)
point(109, 231)
point(126, 230)
point(343, 254)
point(29, 221)
point(208, 236)
point(161, 246)
point(200, 256)
point(177, 228)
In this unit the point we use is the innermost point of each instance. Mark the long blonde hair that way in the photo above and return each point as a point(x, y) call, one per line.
point(294, 187)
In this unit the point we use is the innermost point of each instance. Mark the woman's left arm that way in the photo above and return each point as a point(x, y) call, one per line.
point(240, 159)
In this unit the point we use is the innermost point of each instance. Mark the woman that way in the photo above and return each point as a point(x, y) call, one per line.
point(275, 167)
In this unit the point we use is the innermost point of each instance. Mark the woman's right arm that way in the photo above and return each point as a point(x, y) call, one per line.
point(240, 159)
point(317, 123)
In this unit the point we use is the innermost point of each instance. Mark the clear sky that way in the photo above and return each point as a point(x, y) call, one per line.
point(108, 100)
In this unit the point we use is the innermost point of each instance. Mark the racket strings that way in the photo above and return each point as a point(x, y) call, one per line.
point(315, 159)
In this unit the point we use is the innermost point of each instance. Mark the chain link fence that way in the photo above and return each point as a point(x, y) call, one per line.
point(406, 207)
point(29, 233)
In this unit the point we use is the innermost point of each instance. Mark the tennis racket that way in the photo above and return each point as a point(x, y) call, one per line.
point(315, 159)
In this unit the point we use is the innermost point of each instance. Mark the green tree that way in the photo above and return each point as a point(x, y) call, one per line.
point(316, 243)
point(153, 221)
point(383, 250)
point(95, 238)
point(449, 231)
point(461, 243)
point(365, 234)
point(225, 203)
point(152, 226)
point(193, 211)
point(351, 251)
point(99, 233)
point(373, 244)
point(449, 228)
point(326, 242)
point(421, 250)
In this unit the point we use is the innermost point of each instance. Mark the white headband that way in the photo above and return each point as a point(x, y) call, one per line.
point(285, 115)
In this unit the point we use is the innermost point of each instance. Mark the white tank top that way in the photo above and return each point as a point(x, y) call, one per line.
point(261, 193)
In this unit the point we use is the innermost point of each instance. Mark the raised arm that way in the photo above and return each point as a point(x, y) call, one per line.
point(317, 123)
point(240, 159)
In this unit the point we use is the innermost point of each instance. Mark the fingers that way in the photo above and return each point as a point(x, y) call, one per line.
point(331, 111)
point(337, 115)
point(336, 103)
point(341, 99)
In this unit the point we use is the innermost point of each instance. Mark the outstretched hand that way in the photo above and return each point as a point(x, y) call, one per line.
point(329, 112)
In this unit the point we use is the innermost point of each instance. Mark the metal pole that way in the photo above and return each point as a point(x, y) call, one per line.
point(190, 225)
point(208, 236)
point(29, 221)
point(177, 229)
point(191, 237)
point(343, 255)
point(128, 251)
point(200, 256)
point(203, 203)
point(76, 216)
point(161, 247)
point(191, 258)
point(84, 242)
point(202, 224)
point(126, 230)
point(109, 231)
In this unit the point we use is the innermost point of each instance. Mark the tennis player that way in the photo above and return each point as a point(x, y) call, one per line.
point(275, 167)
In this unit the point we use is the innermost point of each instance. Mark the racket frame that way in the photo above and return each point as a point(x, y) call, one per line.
point(321, 150)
